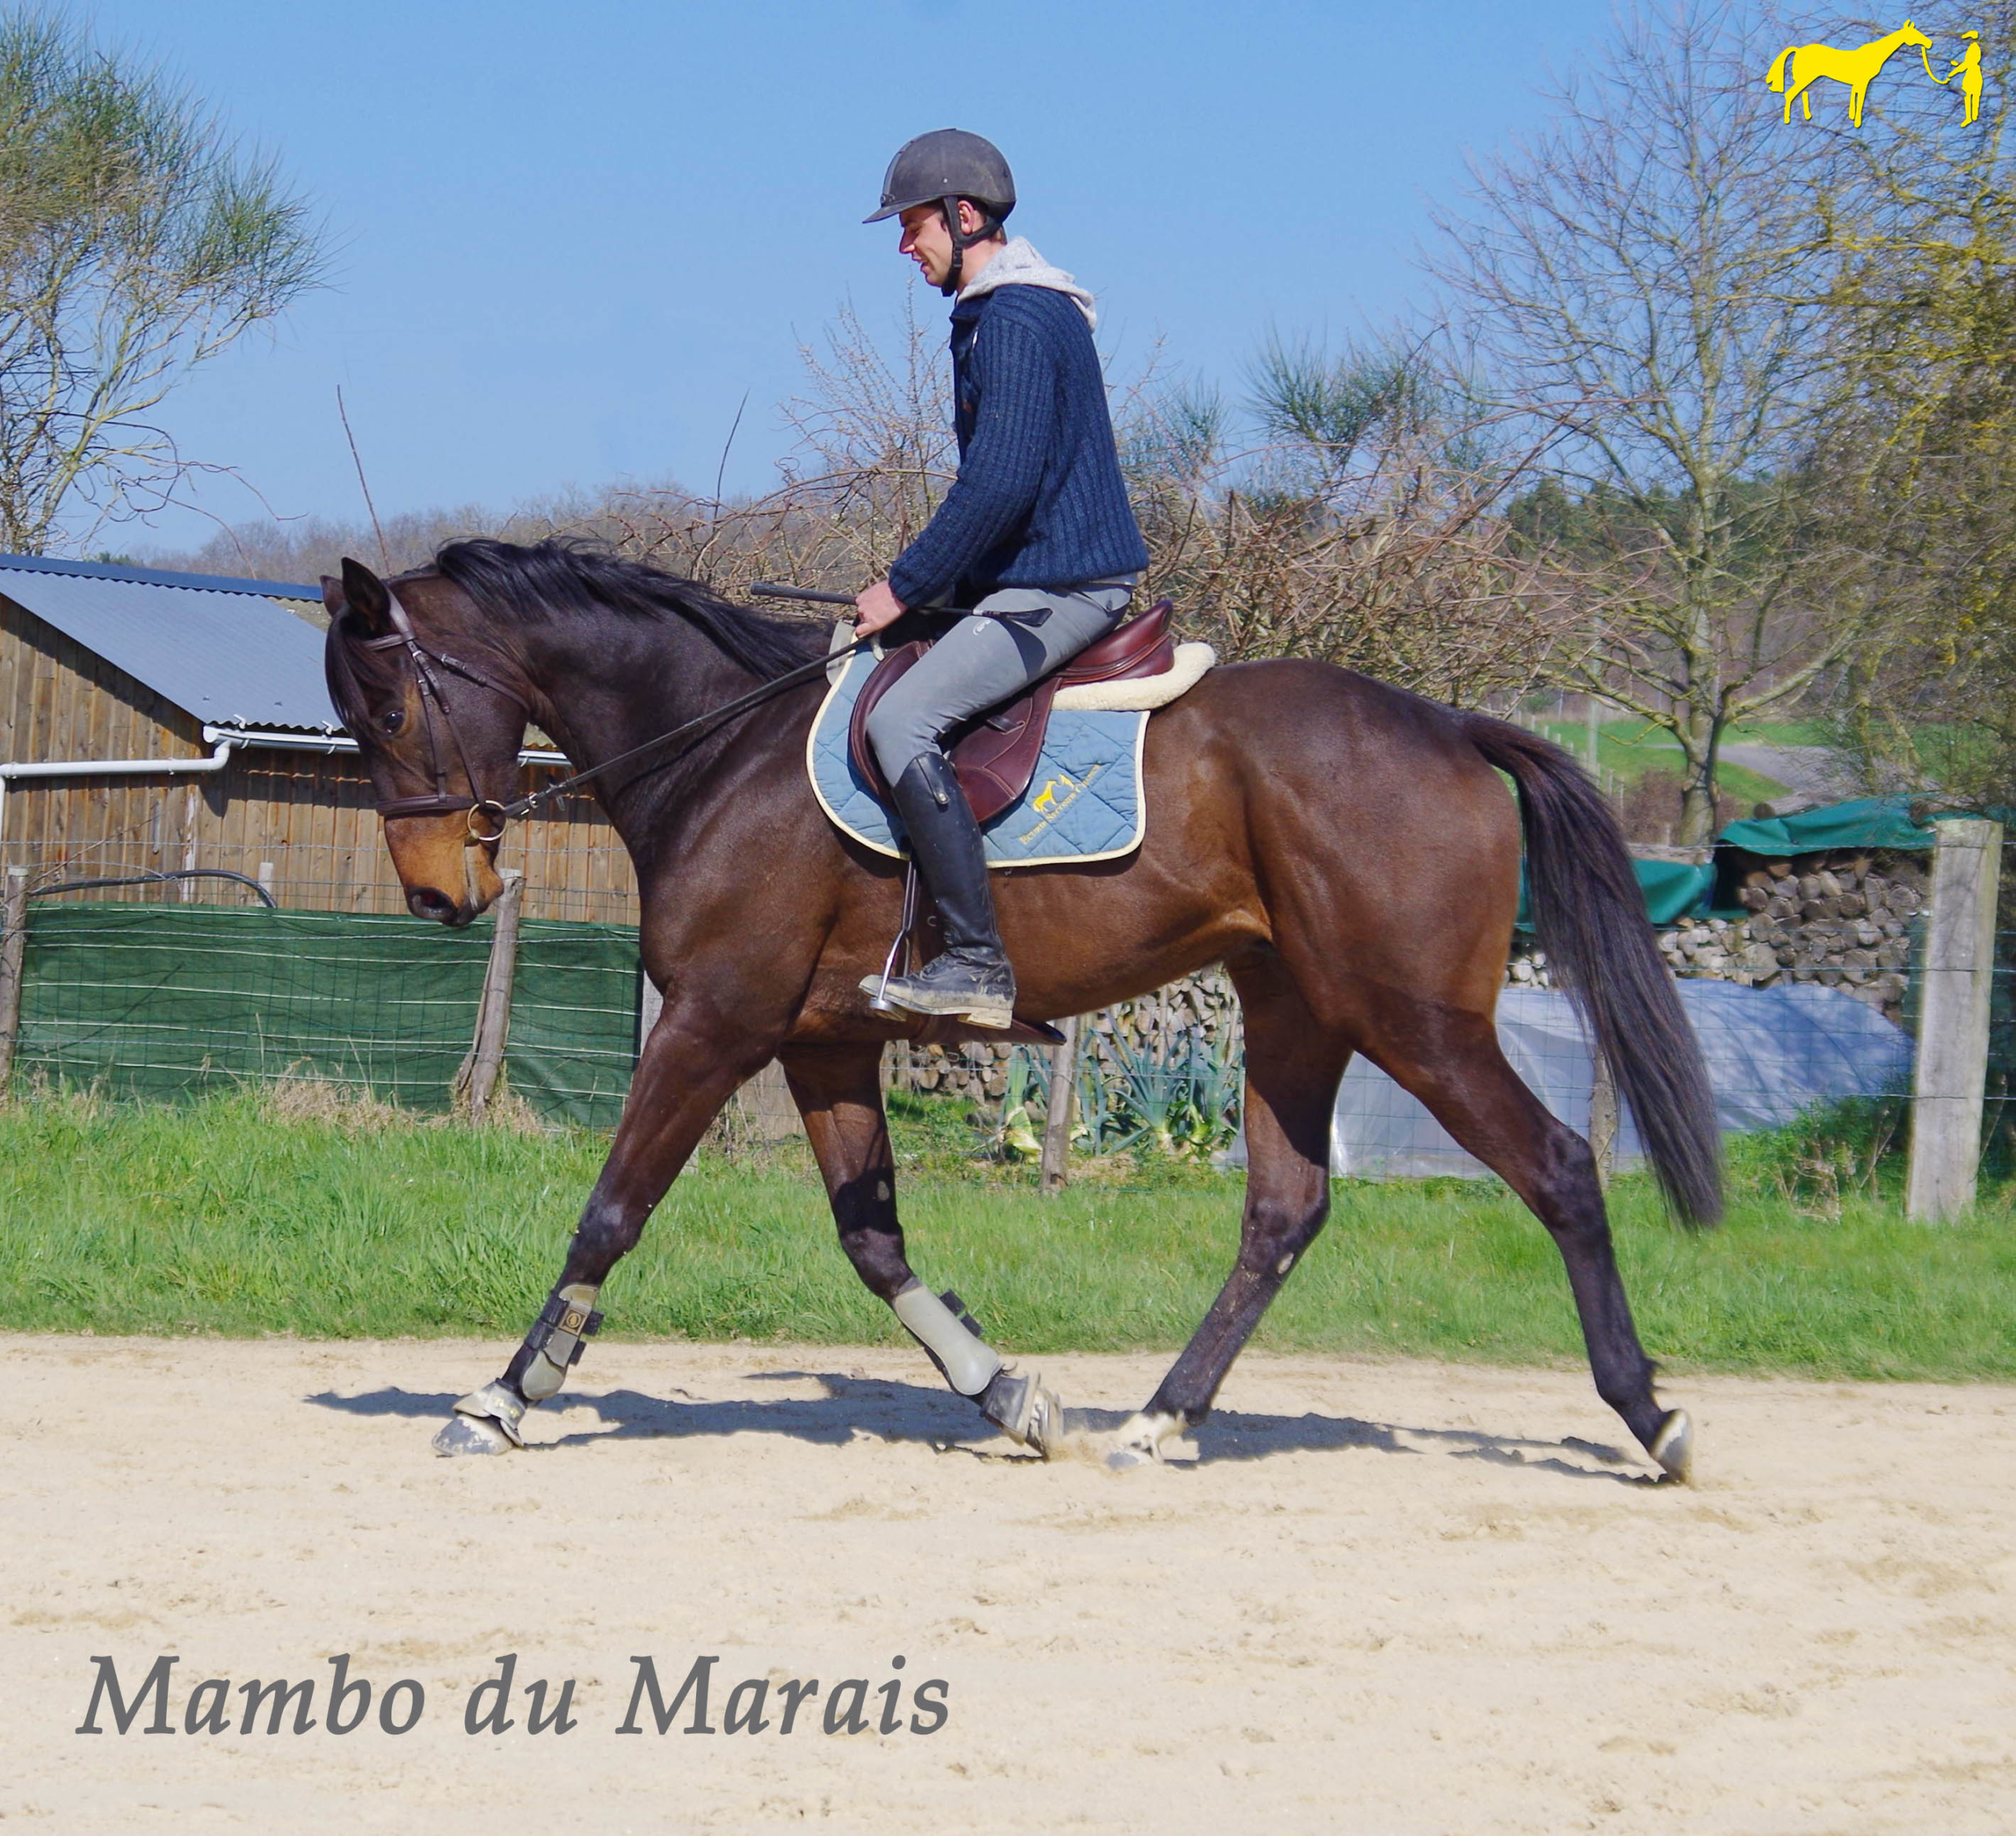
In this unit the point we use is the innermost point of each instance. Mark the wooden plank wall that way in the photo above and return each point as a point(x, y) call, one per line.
point(309, 815)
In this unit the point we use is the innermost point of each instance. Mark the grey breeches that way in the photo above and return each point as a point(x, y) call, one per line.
point(1011, 638)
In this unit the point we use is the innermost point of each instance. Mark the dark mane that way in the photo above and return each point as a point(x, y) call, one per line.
point(552, 579)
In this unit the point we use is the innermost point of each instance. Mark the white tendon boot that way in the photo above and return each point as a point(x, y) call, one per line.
point(1020, 1407)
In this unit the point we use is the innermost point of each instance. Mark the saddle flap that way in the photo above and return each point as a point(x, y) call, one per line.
point(995, 756)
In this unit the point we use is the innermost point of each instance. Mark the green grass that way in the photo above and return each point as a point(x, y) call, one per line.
point(1630, 748)
point(220, 1218)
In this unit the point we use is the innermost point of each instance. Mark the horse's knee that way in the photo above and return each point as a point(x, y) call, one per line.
point(605, 1235)
point(1276, 1233)
point(877, 1254)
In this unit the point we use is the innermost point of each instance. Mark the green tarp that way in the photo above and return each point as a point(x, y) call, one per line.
point(1866, 822)
point(168, 1001)
point(1673, 890)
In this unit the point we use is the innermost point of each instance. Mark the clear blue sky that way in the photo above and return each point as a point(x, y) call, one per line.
point(567, 239)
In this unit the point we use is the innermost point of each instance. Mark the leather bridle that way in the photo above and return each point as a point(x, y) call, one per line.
point(441, 801)
point(483, 811)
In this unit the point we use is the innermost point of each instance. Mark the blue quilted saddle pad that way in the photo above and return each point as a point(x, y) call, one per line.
point(1084, 802)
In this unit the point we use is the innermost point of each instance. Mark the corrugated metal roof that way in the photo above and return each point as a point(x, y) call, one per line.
point(123, 570)
point(225, 651)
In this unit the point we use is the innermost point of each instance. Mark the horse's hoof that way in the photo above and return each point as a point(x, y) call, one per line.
point(471, 1434)
point(1025, 1410)
point(1672, 1447)
point(1142, 1440)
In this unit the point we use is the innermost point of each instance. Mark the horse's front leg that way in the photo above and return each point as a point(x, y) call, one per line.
point(690, 1064)
point(838, 1089)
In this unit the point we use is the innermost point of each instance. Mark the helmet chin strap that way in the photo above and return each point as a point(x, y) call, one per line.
point(960, 242)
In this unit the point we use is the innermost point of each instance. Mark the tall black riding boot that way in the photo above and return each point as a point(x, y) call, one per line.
point(972, 977)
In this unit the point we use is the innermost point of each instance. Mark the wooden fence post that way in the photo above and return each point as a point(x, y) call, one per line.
point(1063, 1096)
point(14, 946)
point(1953, 1011)
point(480, 1069)
point(1602, 1115)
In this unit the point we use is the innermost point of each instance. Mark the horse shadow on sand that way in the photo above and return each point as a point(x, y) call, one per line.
point(853, 1408)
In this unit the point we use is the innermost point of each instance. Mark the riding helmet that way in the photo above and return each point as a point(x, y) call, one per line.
point(947, 162)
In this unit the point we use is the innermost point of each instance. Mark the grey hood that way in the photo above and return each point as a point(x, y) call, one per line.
point(1018, 264)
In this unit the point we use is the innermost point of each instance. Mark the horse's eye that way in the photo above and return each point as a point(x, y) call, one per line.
point(394, 720)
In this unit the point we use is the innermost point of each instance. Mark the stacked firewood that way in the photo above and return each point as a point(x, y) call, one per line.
point(1841, 920)
point(1200, 1011)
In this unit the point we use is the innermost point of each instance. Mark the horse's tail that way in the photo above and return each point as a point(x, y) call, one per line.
point(1590, 916)
point(1777, 78)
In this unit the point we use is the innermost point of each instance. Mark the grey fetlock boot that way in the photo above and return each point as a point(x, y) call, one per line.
point(971, 979)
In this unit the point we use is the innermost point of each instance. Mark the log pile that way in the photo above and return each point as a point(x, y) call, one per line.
point(1200, 1010)
point(1841, 920)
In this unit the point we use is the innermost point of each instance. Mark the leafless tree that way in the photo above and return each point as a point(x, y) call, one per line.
point(1648, 275)
point(135, 243)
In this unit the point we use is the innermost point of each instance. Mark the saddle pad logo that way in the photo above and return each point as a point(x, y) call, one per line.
point(1085, 802)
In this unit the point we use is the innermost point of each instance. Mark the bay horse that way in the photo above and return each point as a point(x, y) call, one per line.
point(1347, 850)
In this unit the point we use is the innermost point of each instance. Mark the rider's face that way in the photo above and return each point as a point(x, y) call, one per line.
point(927, 242)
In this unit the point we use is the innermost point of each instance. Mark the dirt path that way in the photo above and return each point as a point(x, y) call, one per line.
point(1391, 1597)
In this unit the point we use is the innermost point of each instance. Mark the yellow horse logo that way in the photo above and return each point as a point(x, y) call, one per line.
point(1799, 67)
point(1044, 802)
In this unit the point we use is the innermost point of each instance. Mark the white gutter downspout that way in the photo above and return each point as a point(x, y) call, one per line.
point(218, 759)
point(333, 743)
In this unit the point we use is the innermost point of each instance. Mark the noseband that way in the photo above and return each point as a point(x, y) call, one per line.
point(487, 817)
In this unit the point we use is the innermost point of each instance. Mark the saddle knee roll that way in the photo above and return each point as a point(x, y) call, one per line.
point(968, 1361)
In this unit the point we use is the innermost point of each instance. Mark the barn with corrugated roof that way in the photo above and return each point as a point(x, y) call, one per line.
point(160, 724)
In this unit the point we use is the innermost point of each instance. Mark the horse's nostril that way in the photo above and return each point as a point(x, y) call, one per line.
point(425, 902)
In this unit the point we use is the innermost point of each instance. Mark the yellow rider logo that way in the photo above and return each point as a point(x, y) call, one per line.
point(1799, 67)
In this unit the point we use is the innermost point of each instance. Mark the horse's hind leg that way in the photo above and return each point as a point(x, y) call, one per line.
point(838, 1090)
point(1293, 1066)
point(690, 1064)
point(1451, 1062)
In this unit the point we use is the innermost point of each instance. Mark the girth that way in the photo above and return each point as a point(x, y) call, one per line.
point(994, 754)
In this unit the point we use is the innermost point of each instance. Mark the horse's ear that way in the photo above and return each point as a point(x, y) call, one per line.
point(362, 592)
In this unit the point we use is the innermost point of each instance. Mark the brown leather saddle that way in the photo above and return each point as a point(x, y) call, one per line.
point(995, 754)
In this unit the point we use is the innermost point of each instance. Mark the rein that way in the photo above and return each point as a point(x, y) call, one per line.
point(488, 818)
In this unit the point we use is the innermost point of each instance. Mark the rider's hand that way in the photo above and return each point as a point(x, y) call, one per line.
point(876, 608)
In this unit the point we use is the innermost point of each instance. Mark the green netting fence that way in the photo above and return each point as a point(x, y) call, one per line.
point(167, 1001)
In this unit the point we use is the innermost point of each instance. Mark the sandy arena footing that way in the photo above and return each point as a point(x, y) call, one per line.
point(1388, 1597)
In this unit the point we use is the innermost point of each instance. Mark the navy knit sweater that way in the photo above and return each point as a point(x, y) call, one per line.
point(1040, 501)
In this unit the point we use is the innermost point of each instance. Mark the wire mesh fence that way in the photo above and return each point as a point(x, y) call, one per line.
point(166, 999)
point(168, 1002)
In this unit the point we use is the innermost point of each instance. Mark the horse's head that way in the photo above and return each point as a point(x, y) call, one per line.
point(421, 693)
point(1912, 36)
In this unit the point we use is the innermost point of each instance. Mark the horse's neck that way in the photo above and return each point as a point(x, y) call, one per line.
point(613, 683)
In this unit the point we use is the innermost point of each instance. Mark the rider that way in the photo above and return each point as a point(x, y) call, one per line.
point(1036, 536)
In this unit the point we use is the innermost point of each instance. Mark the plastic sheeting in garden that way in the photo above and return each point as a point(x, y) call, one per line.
point(1771, 1053)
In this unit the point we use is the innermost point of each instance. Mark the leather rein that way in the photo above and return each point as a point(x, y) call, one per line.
point(488, 817)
